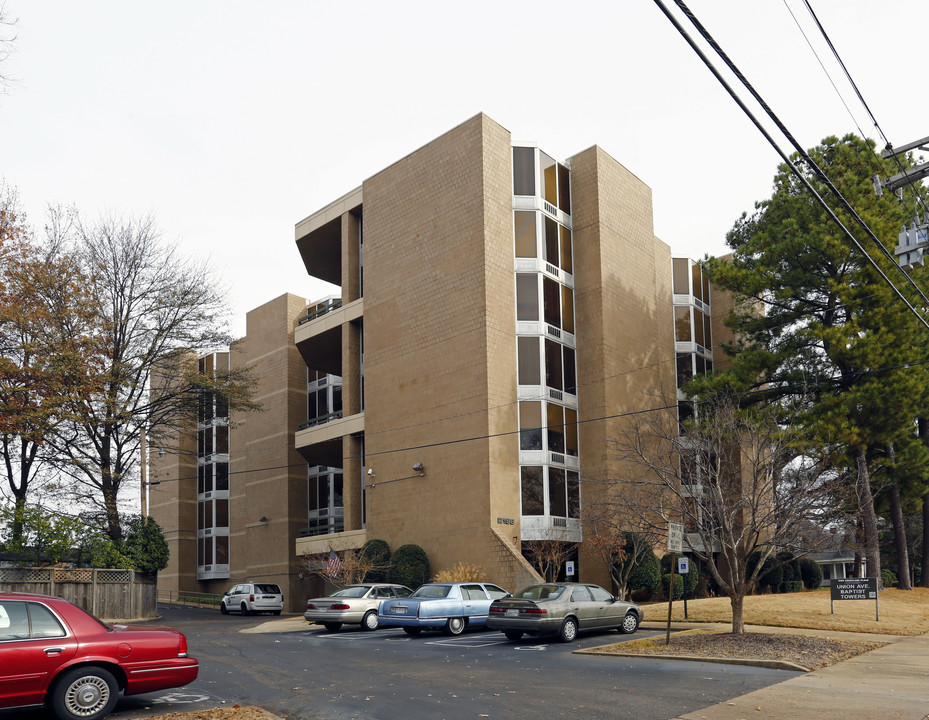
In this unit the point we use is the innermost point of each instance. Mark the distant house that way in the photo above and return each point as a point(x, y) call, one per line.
point(839, 565)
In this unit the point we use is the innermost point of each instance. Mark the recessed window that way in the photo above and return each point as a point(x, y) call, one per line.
point(524, 227)
point(531, 488)
point(530, 426)
point(529, 370)
point(523, 171)
point(680, 276)
point(527, 297)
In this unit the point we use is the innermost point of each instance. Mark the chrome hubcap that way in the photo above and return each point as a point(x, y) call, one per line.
point(87, 696)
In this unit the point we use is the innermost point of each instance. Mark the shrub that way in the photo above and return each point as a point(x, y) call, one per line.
point(409, 565)
point(145, 544)
point(810, 573)
point(461, 572)
point(772, 574)
point(888, 578)
point(377, 553)
point(646, 578)
point(678, 586)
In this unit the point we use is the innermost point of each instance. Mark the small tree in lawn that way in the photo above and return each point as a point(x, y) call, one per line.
point(620, 550)
point(735, 477)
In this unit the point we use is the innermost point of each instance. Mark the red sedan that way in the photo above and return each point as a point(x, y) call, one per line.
point(54, 653)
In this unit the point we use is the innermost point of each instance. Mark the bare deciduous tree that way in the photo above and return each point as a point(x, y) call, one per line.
point(738, 481)
point(154, 311)
point(353, 567)
point(548, 554)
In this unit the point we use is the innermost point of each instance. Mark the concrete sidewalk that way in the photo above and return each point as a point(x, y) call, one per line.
point(890, 682)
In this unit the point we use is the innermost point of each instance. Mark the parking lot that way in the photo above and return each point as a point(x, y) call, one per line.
point(300, 671)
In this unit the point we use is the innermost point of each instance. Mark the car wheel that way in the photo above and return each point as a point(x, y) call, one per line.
point(454, 626)
point(512, 634)
point(276, 612)
point(630, 624)
point(369, 621)
point(223, 609)
point(412, 631)
point(84, 693)
point(245, 610)
point(568, 630)
point(332, 627)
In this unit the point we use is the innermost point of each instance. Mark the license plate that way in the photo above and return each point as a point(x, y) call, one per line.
point(321, 609)
point(398, 610)
point(512, 613)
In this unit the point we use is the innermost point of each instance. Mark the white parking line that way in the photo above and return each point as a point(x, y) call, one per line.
point(469, 642)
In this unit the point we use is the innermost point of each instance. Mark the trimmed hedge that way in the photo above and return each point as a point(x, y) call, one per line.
point(810, 573)
point(378, 552)
point(646, 578)
point(409, 565)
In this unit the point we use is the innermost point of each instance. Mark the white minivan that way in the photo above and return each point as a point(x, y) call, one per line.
point(249, 598)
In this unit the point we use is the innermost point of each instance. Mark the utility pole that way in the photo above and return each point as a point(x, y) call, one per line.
point(913, 240)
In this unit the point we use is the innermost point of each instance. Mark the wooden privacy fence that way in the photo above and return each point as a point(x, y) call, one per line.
point(107, 593)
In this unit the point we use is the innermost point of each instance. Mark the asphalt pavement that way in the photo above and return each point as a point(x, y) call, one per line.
point(890, 683)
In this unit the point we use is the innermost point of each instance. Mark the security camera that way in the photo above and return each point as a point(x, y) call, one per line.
point(418, 467)
point(370, 472)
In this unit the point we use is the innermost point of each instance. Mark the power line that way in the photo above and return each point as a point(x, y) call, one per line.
point(809, 161)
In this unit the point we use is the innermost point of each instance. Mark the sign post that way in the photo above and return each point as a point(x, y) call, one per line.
point(675, 545)
point(855, 589)
point(683, 568)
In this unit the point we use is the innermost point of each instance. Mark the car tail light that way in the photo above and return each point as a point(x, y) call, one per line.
point(310, 606)
point(341, 606)
point(497, 609)
point(534, 611)
point(251, 598)
point(182, 646)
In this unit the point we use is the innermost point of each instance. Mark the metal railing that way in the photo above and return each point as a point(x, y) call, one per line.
point(320, 310)
point(321, 420)
point(187, 597)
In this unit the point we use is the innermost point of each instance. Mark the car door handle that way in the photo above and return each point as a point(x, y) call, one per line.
point(51, 650)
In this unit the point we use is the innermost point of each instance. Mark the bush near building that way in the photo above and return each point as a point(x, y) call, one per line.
point(409, 565)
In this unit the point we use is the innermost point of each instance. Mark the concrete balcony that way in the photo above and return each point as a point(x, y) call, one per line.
point(322, 444)
point(319, 339)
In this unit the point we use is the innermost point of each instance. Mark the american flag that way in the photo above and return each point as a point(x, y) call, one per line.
point(334, 564)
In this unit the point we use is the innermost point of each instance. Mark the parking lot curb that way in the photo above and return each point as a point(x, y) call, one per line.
point(753, 662)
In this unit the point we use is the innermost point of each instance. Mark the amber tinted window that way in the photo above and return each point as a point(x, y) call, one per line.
point(549, 178)
point(567, 247)
point(527, 296)
point(531, 490)
point(698, 327)
point(698, 282)
point(530, 426)
point(680, 276)
point(707, 332)
point(564, 189)
point(685, 372)
point(524, 224)
point(551, 299)
point(523, 171)
point(570, 371)
point(682, 324)
point(552, 253)
point(706, 288)
point(530, 372)
point(555, 420)
point(567, 309)
point(570, 431)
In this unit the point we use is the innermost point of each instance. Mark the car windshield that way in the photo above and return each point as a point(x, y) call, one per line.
point(540, 592)
point(265, 588)
point(432, 591)
point(351, 592)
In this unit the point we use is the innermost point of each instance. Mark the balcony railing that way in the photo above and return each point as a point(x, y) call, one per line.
point(320, 310)
point(321, 420)
point(336, 525)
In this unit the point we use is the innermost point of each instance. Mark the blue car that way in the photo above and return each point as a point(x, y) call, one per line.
point(448, 606)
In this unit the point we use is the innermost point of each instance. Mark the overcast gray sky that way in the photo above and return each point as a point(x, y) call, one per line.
point(232, 121)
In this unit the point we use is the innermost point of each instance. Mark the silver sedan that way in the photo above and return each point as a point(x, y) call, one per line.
point(355, 604)
point(562, 609)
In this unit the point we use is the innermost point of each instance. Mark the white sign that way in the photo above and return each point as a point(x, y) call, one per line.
point(683, 565)
point(569, 568)
point(675, 537)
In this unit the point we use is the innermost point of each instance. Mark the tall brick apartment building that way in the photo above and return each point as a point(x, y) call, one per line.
point(499, 312)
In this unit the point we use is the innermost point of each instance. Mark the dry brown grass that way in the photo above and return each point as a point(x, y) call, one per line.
point(901, 612)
